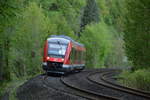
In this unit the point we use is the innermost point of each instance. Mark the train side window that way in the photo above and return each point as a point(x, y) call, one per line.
point(76, 55)
point(80, 56)
point(73, 55)
point(84, 56)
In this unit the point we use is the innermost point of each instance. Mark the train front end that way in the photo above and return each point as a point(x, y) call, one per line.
point(56, 51)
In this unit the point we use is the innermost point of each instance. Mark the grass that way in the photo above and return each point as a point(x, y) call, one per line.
point(139, 79)
point(11, 87)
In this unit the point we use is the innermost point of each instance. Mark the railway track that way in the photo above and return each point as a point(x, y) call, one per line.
point(46, 83)
point(95, 85)
point(88, 93)
point(105, 79)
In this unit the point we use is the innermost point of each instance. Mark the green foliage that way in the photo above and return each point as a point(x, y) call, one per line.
point(25, 25)
point(58, 24)
point(139, 79)
point(137, 34)
point(97, 40)
point(8, 9)
point(90, 14)
point(112, 24)
point(27, 41)
point(67, 10)
point(116, 57)
point(112, 11)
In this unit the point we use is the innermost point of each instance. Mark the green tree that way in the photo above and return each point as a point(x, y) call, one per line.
point(8, 11)
point(27, 42)
point(137, 34)
point(90, 14)
point(69, 11)
point(97, 40)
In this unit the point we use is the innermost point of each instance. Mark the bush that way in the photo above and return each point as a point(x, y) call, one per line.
point(139, 79)
point(97, 40)
point(116, 57)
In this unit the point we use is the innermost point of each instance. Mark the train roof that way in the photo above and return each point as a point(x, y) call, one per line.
point(66, 37)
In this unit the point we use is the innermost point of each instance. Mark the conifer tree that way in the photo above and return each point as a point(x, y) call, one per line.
point(90, 14)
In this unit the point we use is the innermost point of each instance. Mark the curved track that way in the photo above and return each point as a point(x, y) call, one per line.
point(88, 93)
point(80, 83)
point(94, 85)
point(105, 79)
point(61, 89)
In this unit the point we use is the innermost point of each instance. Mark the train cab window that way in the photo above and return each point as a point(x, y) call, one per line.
point(57, 50)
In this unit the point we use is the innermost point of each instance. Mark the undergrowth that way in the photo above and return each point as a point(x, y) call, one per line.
point(11, 87)
point(139, 79)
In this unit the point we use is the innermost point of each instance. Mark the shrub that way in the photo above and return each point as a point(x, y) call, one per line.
point(139, 79)
point(97, 40)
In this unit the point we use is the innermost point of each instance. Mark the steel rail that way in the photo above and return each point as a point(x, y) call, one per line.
point(63, 91)
point(107, 83)
point(89, 93)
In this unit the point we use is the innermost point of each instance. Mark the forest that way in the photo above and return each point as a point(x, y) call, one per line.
point(116, 33)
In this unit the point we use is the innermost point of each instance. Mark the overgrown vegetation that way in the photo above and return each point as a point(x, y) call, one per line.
point(139, 79)
point(10, 88)
point(102, 33)
point(98, 45)
point(100, 24)
point(137, 43)
point(137, 37)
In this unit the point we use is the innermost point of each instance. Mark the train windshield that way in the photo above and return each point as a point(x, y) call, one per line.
point(57, 50)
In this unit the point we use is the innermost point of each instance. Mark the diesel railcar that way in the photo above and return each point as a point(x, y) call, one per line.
point(62, 54)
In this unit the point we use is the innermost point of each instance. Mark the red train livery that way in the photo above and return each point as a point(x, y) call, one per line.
point(62, 54)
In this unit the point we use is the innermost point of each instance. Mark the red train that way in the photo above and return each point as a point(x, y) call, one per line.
point(62, 55)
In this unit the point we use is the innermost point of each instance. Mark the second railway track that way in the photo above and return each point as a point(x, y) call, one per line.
point(89, 93)
point(105, 79)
